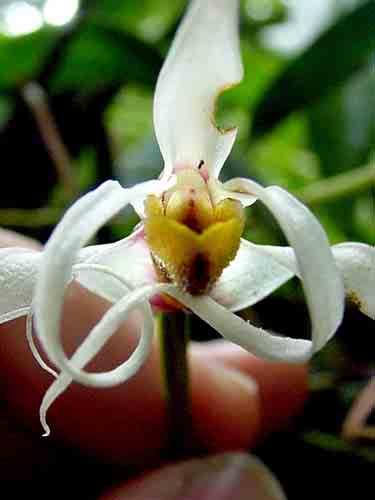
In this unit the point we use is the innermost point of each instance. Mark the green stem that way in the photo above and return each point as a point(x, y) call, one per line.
point(338, 186)
point(173, 333)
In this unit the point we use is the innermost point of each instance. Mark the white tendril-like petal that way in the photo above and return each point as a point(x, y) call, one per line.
point(321, 279)
point(78, 225)
point(99, 335)
point(33, 347)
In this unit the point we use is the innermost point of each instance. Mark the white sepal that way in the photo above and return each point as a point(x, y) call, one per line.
point(249, 278)
point(203, 60)
point(356, 263)
point(18, 272)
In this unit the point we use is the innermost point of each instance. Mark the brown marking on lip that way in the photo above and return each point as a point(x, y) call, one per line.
point(198, 277)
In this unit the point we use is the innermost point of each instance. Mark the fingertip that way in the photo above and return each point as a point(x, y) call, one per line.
point(283, 387)
point(226, 406)
point(12, 239)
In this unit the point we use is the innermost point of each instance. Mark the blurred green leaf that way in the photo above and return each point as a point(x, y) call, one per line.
point(277, 162)
point(342, 131)
point(101, 57)
point(6, 109)
point(147, 19)
point(22, 57)
point(335, 56)
point(342, 125)
point(129, 117)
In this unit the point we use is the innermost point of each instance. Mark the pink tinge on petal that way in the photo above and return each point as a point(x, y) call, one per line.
point(163, 303)
point(201, 168)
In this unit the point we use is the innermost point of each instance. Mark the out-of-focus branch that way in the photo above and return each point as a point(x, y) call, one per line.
point(338, 186)
point(35, 218)
point(39, 217)
point(36, 98)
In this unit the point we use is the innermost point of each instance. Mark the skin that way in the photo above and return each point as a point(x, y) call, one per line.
point(236, 397)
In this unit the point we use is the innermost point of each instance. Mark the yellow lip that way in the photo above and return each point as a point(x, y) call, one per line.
point(192, 240)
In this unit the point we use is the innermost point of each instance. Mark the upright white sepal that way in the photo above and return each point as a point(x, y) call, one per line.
point(203, 60)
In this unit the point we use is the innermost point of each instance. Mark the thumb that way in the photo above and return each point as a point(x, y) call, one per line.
point(227, 476)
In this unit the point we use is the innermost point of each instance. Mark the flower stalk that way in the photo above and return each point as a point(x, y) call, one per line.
point(173, 332)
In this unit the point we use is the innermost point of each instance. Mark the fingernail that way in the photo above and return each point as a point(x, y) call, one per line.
point(227, 476)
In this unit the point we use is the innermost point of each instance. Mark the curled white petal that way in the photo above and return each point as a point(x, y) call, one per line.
point(78, 225)
point(103, 330)
point(203, 60)
point(54, 391)
point(18, 272)
point(249, 278)
point(33, 347)
point(255, 340)
point(321, 280)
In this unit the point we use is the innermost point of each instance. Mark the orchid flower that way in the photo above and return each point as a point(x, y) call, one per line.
point(188, 249)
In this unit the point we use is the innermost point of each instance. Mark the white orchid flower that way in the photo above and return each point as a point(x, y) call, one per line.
point(189, 247)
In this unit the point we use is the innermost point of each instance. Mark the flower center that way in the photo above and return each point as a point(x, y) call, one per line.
point(192, 240)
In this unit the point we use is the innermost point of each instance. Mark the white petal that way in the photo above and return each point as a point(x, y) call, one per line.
point(253, 339)
point(356, 262)
point(203, 60)
point(159, 187)
point(33, 347)
point(283, 255)
point(250, 277)
point(73, 369)
point(18, 272)
point(101, 333)
point(220, 191)
point(321, 280)
point(78, 225)
point(129, 258)
point(54, 391)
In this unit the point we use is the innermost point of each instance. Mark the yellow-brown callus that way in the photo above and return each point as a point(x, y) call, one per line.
point(191, 240)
